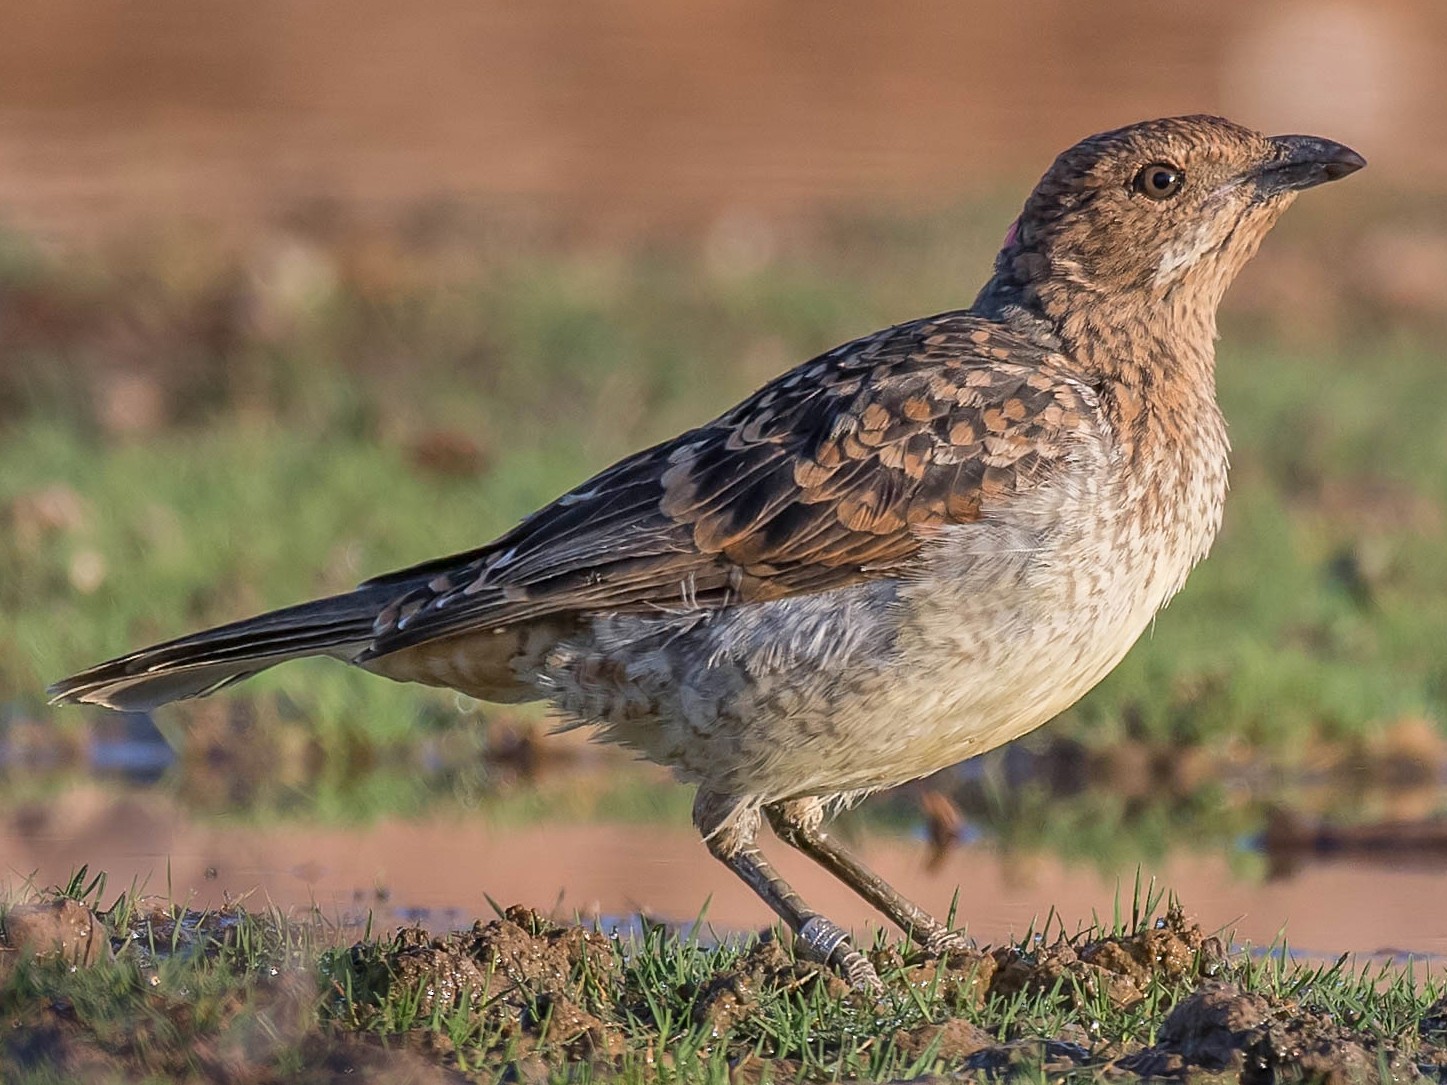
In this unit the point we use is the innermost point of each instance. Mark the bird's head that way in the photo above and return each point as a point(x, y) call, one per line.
point(1163, 211)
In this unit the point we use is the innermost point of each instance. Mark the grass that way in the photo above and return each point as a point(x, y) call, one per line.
point(260, 997)
point(1317, 611)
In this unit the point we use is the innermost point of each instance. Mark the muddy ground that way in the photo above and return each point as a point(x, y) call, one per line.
point(148, 988)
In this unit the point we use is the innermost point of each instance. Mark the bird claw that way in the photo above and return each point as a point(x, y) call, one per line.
point(859, 973)
point(945, 943)
point(827, 942)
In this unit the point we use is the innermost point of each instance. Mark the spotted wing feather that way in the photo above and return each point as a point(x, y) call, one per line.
point(834, 473)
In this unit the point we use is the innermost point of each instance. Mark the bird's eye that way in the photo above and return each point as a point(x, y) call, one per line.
point(1159, 181)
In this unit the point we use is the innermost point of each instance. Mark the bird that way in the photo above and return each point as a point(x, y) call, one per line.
point(900, 554)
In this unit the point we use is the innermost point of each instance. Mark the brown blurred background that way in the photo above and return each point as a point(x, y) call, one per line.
point(642, 115)
point(380, 278)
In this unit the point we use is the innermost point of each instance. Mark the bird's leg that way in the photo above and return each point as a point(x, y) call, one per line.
point(730, 829)
point(797, 823)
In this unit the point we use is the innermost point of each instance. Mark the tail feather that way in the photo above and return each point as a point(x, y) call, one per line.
point(195, 665)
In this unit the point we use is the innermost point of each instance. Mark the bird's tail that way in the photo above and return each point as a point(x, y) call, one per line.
point(202, 663)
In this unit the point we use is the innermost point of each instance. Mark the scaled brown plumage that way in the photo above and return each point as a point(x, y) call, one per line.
point(833, 474)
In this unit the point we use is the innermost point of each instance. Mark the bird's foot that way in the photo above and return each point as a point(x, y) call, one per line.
point(859, 973)
point(827, 942)
point(946, 943)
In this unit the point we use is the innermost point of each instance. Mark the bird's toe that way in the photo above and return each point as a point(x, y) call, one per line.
point(859, 973)
point(945, 943)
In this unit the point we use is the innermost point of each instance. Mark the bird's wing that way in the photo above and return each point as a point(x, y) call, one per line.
point(834, 473)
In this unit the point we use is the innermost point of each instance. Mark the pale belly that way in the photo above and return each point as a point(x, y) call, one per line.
point(870, 687)
point(950, 703)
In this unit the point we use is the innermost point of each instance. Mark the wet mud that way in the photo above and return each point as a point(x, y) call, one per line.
point(1222, 1028)
point(528, 998)
point(543, 985)
point(557, 997)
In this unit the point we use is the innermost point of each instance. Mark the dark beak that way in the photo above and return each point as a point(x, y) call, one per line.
point(1304, 161)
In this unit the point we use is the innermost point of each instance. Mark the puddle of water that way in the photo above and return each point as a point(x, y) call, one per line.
point(120, 802)
point(135, 759)
point(442, 870)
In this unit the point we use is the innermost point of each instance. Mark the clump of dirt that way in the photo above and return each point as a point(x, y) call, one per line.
point(1433, 1025)
point(1431, 1055)
point(756, 1070)
point(732, 995)
point(61, 928)
point(1211, 1029)
point(267, 1039)
point(961, 978)
point(954, 1039)
point(1221, 1028)
point(1029, 1059)
point(1121, 966)
point(155, 928)
point(540, 982)
point(442, 971)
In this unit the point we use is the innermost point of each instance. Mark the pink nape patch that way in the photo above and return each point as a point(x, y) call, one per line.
point(1011, 235)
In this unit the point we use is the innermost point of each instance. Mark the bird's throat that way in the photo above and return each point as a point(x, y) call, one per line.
point(1150, 355)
